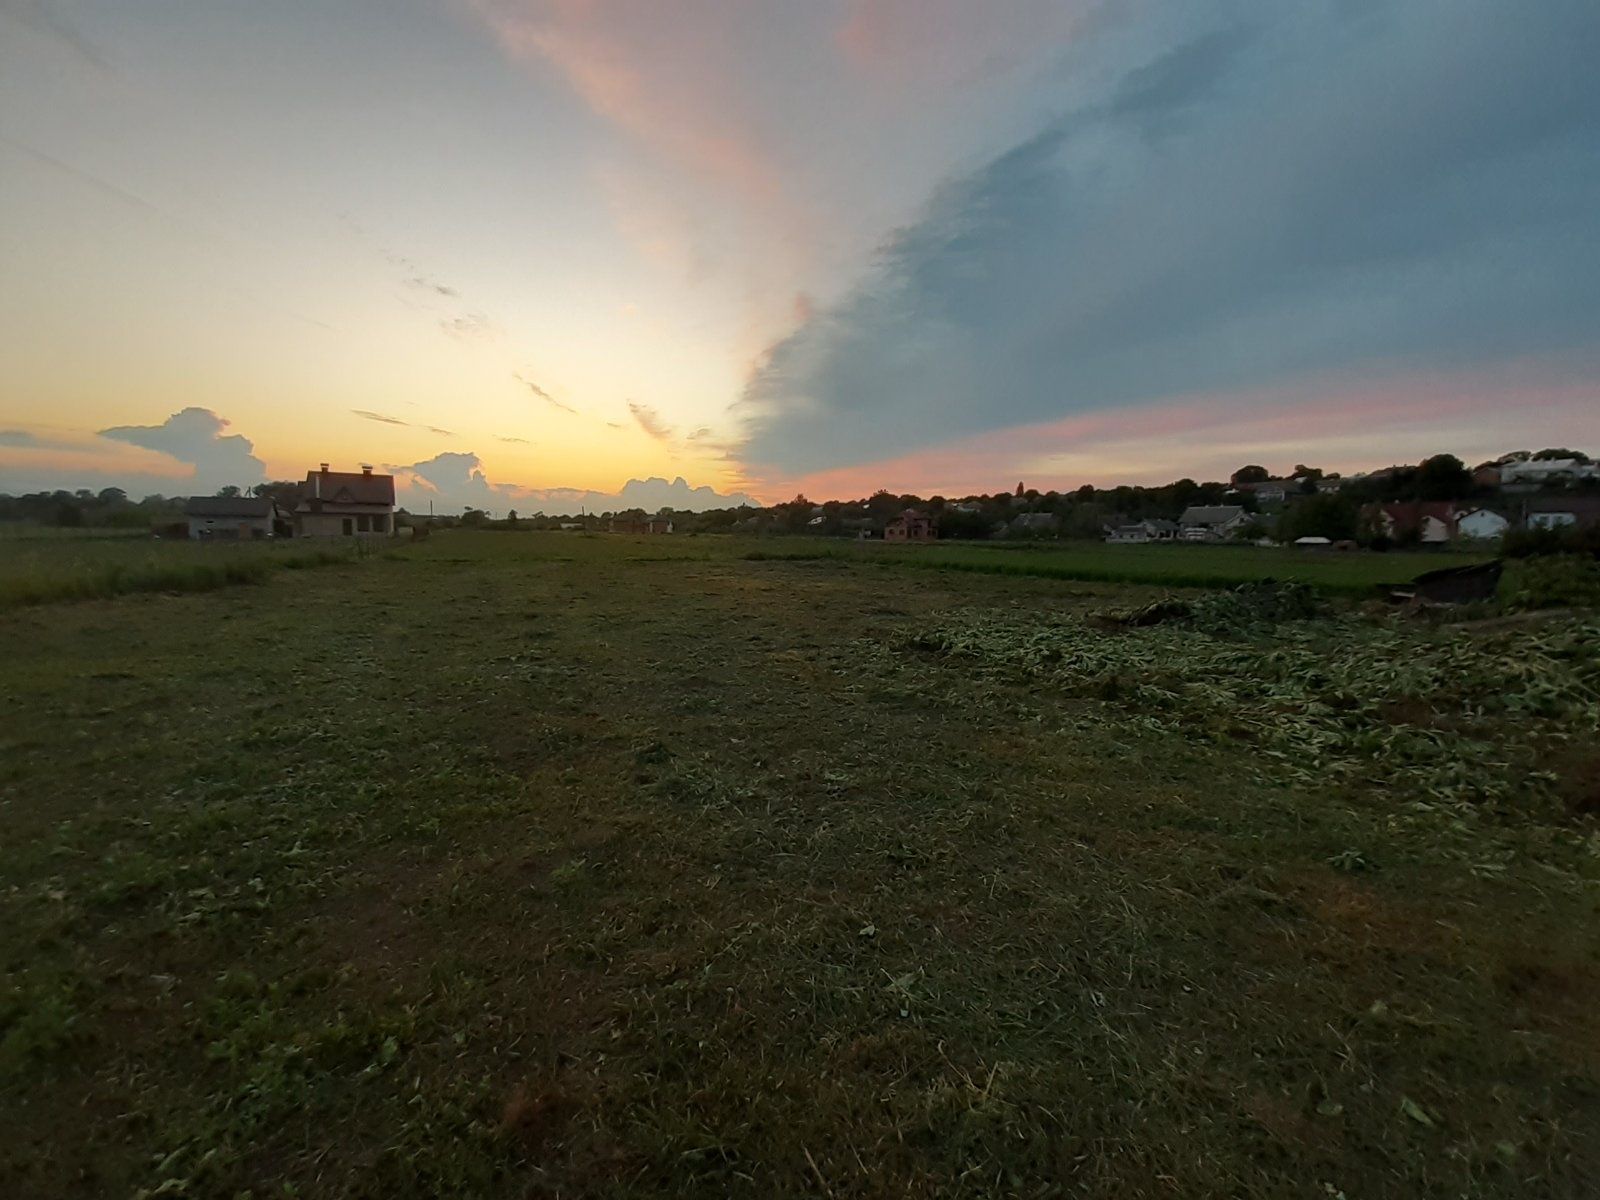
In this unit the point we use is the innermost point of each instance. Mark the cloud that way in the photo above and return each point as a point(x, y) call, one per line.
point(544, 395)
point(1333, 188)
point(42, 19)
point(473, 327)
point(650, 421)
point(452, 482)
point(425, 284)
point(19, 437)
point(194, 436)
point(372, 416)
point(520, 441)
point(441, 432)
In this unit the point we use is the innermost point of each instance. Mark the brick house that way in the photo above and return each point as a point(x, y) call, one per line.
point(913, 525)
point(345, 504)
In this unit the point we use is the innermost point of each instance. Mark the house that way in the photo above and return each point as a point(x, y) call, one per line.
point(1487, 475)
point(1481, 525)
point(1314, 543)
point(1211, 522)
point(345, 504)
point(913, 525)
point(625, 523)
point(1545, 472)
point(1143, 531)
point(230, 518)
point(1431, 522)
point(1563, 512)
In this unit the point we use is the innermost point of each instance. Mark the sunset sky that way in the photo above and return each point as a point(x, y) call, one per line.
point(509, 246)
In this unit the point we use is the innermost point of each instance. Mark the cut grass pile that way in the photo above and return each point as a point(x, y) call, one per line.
point(43, 572)
point(1440, 716)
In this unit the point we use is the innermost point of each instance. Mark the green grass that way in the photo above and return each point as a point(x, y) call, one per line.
point(549, 865)
point(51, 570)
point(1354, 573)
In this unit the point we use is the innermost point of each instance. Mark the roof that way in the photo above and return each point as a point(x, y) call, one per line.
point(346, 487)
point(912, 514)
point(228, 506)
point(1210, 514)
point(1406, 513)
point(1162, 525)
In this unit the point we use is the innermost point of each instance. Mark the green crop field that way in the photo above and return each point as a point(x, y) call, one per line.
point(541, 865)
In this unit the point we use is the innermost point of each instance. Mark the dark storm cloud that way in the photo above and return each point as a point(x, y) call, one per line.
point(194, 436)
point(1336, 188)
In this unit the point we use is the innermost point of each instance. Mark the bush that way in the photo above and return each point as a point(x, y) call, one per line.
point(1555, 581)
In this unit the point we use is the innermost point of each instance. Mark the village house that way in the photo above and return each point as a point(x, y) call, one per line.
point(913, 525)
point(1563, 512)
point(633, 523)
point(345, 504)
point(1034, 522)
point(1141, 532)
point(230, 518)
point(1481, 525)
point(1519, 476)
point(1211, 522)
point(1431, 522)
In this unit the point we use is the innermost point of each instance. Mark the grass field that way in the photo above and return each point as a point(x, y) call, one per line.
point(551, 866)
point(1169, 565)
point(48, 569)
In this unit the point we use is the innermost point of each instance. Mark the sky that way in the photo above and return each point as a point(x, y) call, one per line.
point(522, 252)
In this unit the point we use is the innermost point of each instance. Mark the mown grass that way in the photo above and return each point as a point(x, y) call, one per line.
point(42, 572)
point(1352, 573)
point(544, 867)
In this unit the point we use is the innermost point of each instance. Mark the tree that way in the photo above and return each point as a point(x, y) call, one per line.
point(112, 496)
point(1328, 515)
point(1253, 473)
point(230, 492)
point(1576, 455)
point(1301, 471)
point(1443, 477)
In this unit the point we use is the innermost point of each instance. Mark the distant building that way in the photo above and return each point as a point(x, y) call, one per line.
point(345, 504)
point(1432, 522)
point(1141, 532)
point(1211, 522)
point(627, 524)
point(1564, 512)
point(1545, 472)
point(1481, 525)
point(230, 518)
point(913, 525)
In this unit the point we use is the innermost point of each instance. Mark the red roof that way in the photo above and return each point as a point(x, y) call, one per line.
point(347, 487)
point(1409, 514)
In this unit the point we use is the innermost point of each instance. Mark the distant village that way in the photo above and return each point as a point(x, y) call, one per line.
point(1437, 502)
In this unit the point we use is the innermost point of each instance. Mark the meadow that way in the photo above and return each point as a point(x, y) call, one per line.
point(542, 865)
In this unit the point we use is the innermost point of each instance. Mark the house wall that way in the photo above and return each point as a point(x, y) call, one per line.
point(1551, 520)
point(230, 528)
point(331, 524)
point(1482, 526)
point(1434, 530)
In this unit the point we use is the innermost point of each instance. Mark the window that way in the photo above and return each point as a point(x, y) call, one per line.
point(380, 523)
point(364, 523)
point(349, 527)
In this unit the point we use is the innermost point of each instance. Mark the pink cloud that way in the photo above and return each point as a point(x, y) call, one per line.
point(661, 72)
point(1337, 425)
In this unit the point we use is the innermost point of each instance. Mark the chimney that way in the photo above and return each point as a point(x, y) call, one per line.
point(324, 468)
point(366, 468)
